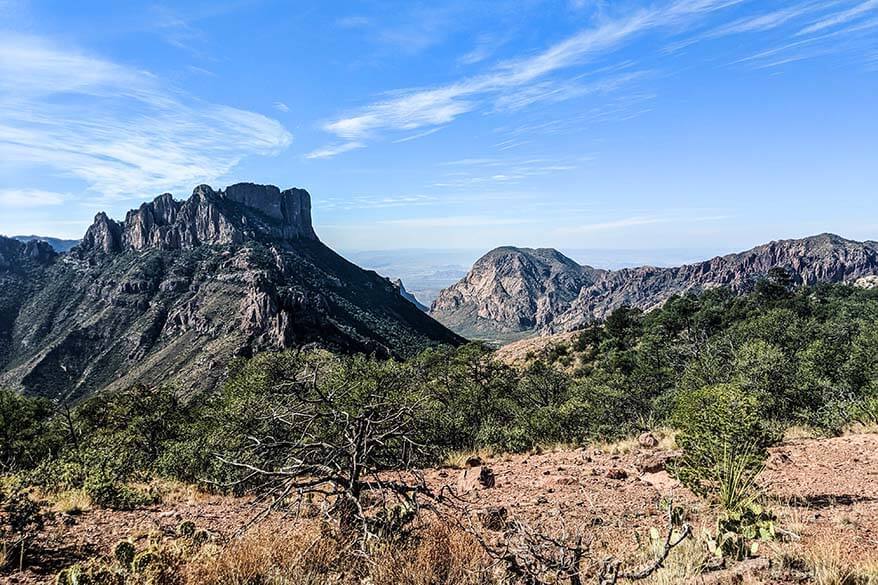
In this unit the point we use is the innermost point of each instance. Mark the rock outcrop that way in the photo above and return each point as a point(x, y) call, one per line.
point(514, 292)
point(239, 213)
point(179, 288)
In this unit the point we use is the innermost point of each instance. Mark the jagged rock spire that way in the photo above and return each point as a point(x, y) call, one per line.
point(240, 212)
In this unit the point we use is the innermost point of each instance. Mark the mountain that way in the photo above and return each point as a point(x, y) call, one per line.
point(516, 292)
point(513, 291)
point(178, 288)
point(57, 244)
point(400, 287)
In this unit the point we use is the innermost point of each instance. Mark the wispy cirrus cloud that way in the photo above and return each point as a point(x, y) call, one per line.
point(841, 17)
point(459, 221)
point(119, 129)
point(334, 149)
point(29, 198)
point(827, 43)
point(414, 109)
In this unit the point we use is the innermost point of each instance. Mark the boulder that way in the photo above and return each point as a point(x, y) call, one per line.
point(656, 462)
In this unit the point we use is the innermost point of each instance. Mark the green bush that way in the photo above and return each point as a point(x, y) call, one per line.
point(115, 495)
point(719, 424)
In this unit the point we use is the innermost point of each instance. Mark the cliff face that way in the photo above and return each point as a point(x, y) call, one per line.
point(542, 306)
point(513, 290)
point(177, 289)
point(239, 213)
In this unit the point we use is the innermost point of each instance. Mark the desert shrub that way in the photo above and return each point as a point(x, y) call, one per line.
point(764, 370)
point(117, 495)
point(27, 432)
point(512, 439)
point(719, 424)
point(21, 518)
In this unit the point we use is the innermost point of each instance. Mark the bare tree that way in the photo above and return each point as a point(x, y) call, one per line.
point(346, 443)
point(536, 558)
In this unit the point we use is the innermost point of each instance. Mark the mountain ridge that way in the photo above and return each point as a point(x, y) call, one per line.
point(176, 290)
point(469, 306)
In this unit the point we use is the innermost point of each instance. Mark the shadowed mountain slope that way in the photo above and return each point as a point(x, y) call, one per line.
point(179, 288)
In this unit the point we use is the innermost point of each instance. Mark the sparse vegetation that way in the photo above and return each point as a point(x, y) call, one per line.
point(719, 377)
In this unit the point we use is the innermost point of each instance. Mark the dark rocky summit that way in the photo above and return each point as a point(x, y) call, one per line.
point(179, 288)
point(516, 292)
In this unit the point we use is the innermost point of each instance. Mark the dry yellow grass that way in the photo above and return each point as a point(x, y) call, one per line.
point(173, 492)
point(830, 567)
point(458, 459)
point(684, 564)
point(800, 432)
point(309, 553)
point(71, 502)
point(666, 441)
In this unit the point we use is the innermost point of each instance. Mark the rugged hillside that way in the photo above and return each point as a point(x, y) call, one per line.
point(178, 288)
point(513, 290)
point(568, 296)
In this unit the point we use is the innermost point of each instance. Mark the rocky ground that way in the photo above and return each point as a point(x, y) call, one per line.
point(824, 492)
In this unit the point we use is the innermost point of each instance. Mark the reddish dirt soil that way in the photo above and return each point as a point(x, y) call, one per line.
point(822, 489)
point(828, 490)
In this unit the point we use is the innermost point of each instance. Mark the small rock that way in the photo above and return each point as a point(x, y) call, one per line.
point(475, 478)
point(656, 462)
point(486, 477)
point(616, 473)
point(648, 441)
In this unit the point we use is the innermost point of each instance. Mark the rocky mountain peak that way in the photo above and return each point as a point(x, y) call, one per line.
point(235, 214)
point(515, 292)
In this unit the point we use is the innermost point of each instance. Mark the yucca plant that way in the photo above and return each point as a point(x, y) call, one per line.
point(736, 473)
point(744, 522)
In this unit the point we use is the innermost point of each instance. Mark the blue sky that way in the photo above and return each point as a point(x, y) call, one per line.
point(693, 124)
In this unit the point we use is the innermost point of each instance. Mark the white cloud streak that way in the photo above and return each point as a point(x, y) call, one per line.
point(118, 129)
point(334, 149)
point(414, 109)
point(842, 17)
point(523, 82)
point(23, 198)
point(461, 221)
point(512, 84)
point(634, 221)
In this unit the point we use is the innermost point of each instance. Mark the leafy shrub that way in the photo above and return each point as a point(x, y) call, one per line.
point(21, 518)
point(27, 432)
point(118, 496)
point(719, 424)
point(512, 439)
